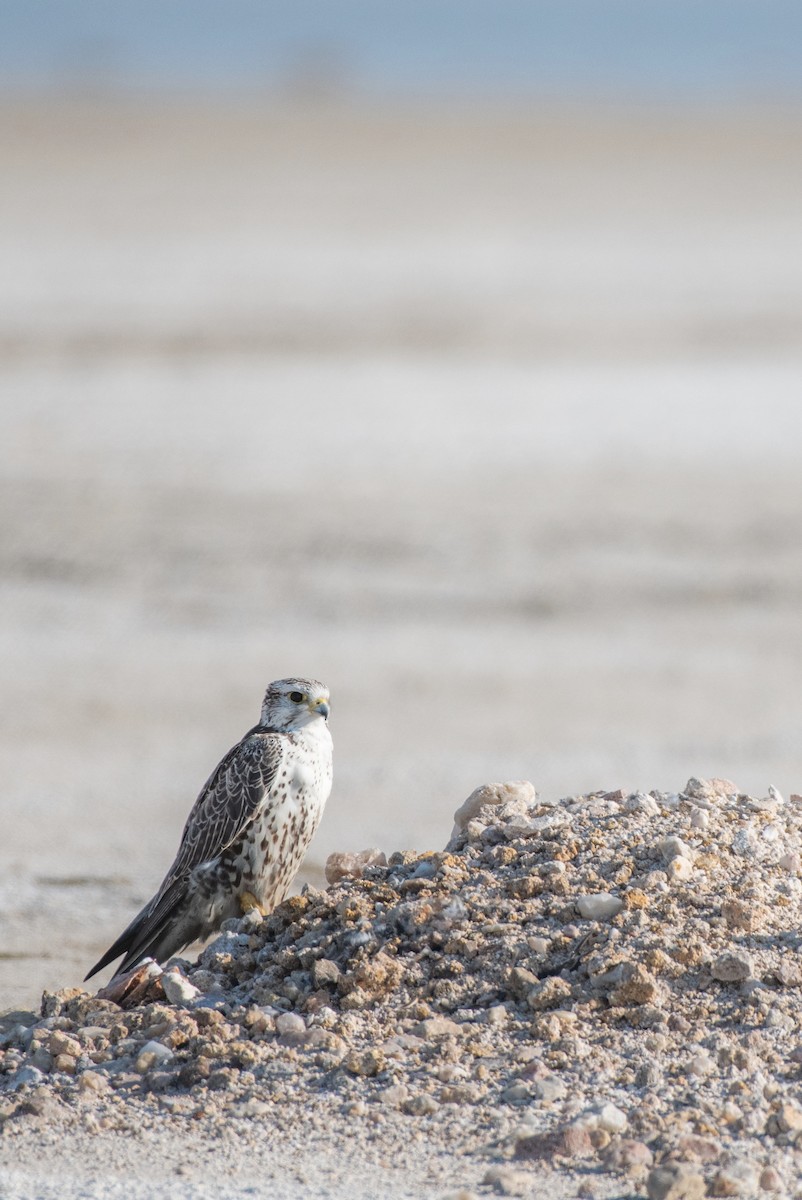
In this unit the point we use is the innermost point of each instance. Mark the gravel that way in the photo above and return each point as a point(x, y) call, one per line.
point(546, 1004)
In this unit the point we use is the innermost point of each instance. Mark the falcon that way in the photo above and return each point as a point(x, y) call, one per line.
point(248, 830)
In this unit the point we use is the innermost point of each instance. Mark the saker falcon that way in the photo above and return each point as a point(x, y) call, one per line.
point(248, 831)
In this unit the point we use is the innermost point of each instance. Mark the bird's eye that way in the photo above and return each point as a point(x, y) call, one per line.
point(296, 697)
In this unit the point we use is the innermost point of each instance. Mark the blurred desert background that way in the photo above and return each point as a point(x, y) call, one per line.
point(456, 362)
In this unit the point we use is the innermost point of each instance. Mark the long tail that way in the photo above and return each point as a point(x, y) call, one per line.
point(158, 931)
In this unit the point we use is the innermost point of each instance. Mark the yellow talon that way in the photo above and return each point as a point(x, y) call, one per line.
point(248, 903)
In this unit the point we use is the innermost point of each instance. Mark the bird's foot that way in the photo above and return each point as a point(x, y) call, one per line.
point(249, 903)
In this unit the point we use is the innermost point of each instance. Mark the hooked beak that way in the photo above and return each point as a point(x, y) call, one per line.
point(321, 706)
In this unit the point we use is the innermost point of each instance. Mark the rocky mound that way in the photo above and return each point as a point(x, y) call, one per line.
point(608, 985)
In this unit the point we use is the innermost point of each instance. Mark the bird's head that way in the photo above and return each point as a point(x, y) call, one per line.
point(294, 703)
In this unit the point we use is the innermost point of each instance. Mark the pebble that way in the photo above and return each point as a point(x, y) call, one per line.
point(365, 1062)
point(636, 985)
point(736, 1179)
point(497, 1015)
point(675, 1181)
point(674, 847)
point(26, 1077)
point(568, 1141)
point(785, 1118)
point(353, 865)
point(701, 1064)
point(291, 1028)
point(422, 1105)
point(679, 869)
point(731, 967)
point(700, 1149)
point(549, 1090)
point(508, 1181)
point(539, 946)
point(62, 1043)
point(770, 1180)
point(551, 993)
point(710, 789)
point(152, 1054)
point(461, 1093)
point(612, 1118)
point(520, 981)
point(178, 989)
point(601, 906)
point(639, 802)
point(491, 795)
point(395, 1096)
point(434, 1028)
point(630, 1155)
point(746, 844)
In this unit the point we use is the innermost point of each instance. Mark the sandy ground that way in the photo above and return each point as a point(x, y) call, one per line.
point(491, 420)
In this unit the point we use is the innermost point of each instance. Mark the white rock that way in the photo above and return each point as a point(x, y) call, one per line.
point(551, 869)
point(228, 942)
point(152, 1055)
point(745, 843)
point(92, 1082)
point(640, 802)
point(161, 1052)
point(474, 829)
point(701, 1064)
point(777, 1019)
point(710, 789)
point(699, 819)
point(31, 1076)
point(549, 1090)
point(731, 968)
point(509, 1181)
point(177, 988)
point(395, 1095)
point(611, 1118)
point(523, 827)
point(325, 1017)
point(491, 795)
point(290, 1024)
point(517, 1093)
point(674, 847)
point(434, 1028)
point(602, 906)
point(539, 945)
point(679, 869)
point(654, 881)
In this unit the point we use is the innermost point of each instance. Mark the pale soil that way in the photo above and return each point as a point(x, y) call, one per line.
point(574, 998)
